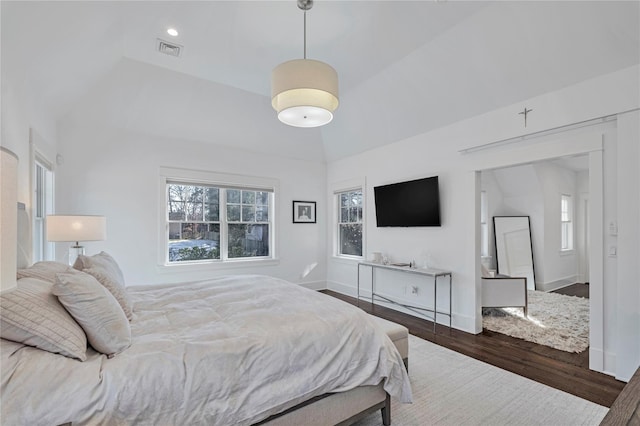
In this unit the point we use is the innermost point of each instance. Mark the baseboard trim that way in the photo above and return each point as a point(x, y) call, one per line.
point(610, 364)
point(345, 289)
point(314, 285)
point(602, 361)
point(558, 284)
point(596, 359)
point(459, 322)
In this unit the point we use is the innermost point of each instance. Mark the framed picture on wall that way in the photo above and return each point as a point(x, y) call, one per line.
point(304, 212)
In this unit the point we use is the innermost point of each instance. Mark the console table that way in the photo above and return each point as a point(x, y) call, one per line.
point(430, 314)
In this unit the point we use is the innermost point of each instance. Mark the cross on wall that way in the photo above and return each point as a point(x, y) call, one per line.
point(525, 112)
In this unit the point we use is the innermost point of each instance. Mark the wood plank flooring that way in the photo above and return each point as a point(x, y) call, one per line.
point(558, 369)
point(626, 409)
point(578, 289)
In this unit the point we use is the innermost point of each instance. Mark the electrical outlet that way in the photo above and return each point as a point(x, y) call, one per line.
point(414, 289)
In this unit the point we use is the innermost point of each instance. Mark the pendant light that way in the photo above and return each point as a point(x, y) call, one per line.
point(304, 92)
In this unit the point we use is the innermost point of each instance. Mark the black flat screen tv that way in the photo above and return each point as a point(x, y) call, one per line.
point(410, 203)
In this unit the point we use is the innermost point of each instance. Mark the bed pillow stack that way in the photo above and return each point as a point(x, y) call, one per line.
point(104, 268)
point(96, 310)
point(44, 271)
point(58, 308)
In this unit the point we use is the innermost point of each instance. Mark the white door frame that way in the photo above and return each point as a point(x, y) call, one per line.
point(571, 142)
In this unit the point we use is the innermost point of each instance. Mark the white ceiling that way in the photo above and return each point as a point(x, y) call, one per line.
point(405, 67)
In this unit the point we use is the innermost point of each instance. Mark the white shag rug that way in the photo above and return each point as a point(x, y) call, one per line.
point(555, 320)
point(453, 389)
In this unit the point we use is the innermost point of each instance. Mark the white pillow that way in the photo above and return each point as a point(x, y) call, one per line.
point(96, 310)
point(104, 268)
point(103, 260)
point(45, 270)
point(32, 315)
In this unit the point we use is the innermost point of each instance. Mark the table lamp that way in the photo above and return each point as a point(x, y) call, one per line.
point(61, 228)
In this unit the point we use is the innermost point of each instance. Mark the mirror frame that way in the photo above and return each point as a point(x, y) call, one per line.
point(501, 224)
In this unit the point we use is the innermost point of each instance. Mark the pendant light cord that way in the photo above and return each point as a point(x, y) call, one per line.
point(305, 5)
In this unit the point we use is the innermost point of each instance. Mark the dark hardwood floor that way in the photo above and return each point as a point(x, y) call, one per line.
point(578, 289)
point(561, 370)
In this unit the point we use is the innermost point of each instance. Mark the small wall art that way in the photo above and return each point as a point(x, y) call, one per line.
point(304, 212)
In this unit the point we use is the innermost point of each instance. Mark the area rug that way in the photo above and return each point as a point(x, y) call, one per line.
point(555, 320)
point(452, 389)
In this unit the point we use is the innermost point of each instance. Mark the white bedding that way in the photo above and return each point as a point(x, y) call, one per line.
point(231, 350)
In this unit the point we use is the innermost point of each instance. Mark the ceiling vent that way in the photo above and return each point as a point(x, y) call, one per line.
point(170, 49)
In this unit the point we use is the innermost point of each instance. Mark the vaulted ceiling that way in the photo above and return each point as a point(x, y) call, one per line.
point(405, 67)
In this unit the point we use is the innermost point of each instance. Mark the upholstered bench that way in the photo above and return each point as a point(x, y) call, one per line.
point(398, 334)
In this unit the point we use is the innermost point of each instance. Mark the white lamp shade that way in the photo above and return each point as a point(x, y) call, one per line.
point(304, 92)
point(76, 228)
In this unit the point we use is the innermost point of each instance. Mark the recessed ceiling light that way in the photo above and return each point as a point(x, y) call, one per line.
point(172, 32)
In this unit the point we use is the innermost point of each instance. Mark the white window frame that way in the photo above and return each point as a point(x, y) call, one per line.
point(335, 191)
point(566, 223)
point(224, 181)
point(42, 205)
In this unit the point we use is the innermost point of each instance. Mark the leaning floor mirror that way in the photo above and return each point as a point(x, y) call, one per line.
point(514, 252)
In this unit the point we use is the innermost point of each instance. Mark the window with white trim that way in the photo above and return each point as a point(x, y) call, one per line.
point(566, 222)
point(42, 206)
point(350, 213)
point(207, 222)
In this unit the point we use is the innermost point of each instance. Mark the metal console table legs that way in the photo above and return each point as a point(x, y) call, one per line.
point(431, 314)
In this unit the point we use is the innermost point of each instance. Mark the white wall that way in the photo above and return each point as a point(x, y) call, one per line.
point(627, 342)
point(560, 268)
point(22, 111)
point(495, 207)
point(522, 196)
point(582, 222)
point(534, 190)
point(23, 117)
point(139, 118)
point(117, 175)
point(437, 153)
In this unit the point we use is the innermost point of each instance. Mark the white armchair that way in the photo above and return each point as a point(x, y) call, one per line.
point(504, 292)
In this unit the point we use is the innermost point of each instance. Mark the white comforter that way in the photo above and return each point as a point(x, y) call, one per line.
point(232, 350)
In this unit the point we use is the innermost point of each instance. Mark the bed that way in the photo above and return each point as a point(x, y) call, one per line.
point(230, 350)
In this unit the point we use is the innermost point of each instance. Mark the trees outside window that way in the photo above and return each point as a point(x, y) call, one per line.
point(214, 223)
point(350, 223)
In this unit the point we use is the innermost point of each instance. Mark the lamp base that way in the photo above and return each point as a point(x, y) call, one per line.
point(74, 252)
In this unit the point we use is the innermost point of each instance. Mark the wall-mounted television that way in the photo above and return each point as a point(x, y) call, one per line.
point(410, 203)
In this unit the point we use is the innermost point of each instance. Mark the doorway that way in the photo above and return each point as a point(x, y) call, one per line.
point(585, 142)
point(547, 194)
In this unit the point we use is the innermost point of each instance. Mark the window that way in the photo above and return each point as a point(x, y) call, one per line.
point(349, 223)
point(207, 222)
point(484, 225)
point(566, 216)
point(42, 206)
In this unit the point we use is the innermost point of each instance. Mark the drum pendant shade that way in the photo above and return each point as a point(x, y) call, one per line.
point(304, 92)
